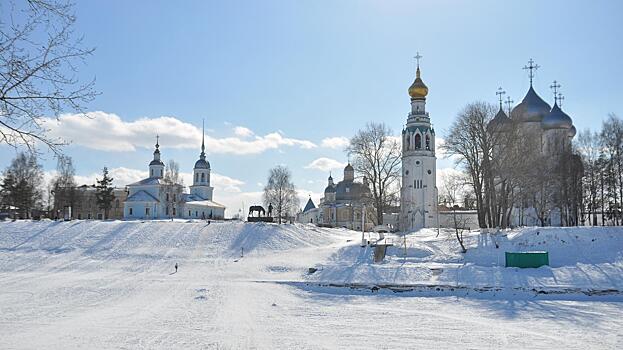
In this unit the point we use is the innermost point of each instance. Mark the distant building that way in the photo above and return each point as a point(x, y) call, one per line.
point(154, 198)
point(85, 205)
point(342, 205)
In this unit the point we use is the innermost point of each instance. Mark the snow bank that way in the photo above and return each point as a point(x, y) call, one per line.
point(32, 244)
point(580, 257)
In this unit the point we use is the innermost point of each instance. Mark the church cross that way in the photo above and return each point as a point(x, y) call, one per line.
point(500, 92)
point(157, 140)
point(555, 86)
point(560, 98)
point(417, 58)
point(509, 103)
point(531, 67)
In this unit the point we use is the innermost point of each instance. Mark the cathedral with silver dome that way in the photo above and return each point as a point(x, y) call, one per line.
point(544, 134)
point(157, 198)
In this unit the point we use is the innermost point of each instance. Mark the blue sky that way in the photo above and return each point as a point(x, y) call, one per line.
point(304, 71)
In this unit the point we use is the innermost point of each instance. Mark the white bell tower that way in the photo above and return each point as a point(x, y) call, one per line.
point(418, 195)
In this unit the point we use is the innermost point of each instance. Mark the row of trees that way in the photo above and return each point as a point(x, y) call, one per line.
point(602, 185)
point(22, 189)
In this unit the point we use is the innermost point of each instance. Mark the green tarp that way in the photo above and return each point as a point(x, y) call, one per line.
point(527, 259)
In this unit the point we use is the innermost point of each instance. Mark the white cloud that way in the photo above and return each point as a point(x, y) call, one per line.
point(108, 132)
point(339, 142)
point(325, 164)
point(243, 132)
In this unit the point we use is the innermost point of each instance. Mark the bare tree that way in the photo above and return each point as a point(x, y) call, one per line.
point(377, 156)
point(280, 192)
point(173, 188)
point(63, 185)
point(453, 190)
point(469, 140)
point(39, 58)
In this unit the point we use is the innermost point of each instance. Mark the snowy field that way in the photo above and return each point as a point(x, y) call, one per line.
point(101, 285)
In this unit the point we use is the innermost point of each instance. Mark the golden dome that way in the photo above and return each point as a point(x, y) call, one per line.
point(418, 89)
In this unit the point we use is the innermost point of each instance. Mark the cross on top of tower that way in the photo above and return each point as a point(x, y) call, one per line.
point(157, 140)
point(560, 97)
point(531, 67)
point(417, 58)
point(555, 86)
point(500, 92)
point(509, 103)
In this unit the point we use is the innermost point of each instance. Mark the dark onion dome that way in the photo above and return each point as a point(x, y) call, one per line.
point(156, 162)
point(349, 168)
point(572, 131)
point(500, 122)
point(531, 109)
point(202, 164)
point(329, 189)
point(556, 119)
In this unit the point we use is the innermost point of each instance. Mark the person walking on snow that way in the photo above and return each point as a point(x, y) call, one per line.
point(175, 267)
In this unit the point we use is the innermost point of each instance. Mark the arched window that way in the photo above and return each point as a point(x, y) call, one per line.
point(408, 141)
point(152, 172)
point(203, 177)
point(428, 142)
point(196, 177)
point(418, 141)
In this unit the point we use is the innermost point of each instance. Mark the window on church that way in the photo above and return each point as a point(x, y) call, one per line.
point(173, 211)
point(196, 178)
point(147, 211)
point(166, 211)
point(196, 213)
point(130, 211)
point(427, 142)
point(152, 172)
point(174, 200)
point(160, 172)
point(408, 142)
point(167, 197)
point(203, 177)
point(117, 203)
point(418, 141)
point(189, 213)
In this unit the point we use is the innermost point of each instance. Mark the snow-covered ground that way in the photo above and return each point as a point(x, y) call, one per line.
point(92, 284)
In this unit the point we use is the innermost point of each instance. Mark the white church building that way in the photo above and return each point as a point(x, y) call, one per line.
point(156, 198)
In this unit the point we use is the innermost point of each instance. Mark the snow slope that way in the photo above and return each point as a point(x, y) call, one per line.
point(92, 284)
point(580, 259)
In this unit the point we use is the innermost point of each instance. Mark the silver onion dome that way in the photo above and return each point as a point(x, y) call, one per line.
point(556, 119)
point(531, 109)
point(500, 122)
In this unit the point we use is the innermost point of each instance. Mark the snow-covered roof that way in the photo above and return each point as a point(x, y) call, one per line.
point(142, 196)
point(205, 203)
point(148, 181)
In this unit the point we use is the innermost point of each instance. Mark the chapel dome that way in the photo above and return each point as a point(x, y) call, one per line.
point(418, 89)
point(329, 189)
point(556, 119)
point(202, 164)
point(572, 131)
point(531, 109)
point(500, 122)
point(156, 162)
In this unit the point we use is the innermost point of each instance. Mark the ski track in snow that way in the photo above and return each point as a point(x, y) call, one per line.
point(101, 285)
